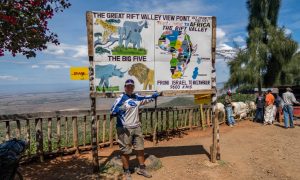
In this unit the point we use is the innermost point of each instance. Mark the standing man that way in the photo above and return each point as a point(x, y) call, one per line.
point(130, 135)
point(260, 103)
point(278, 108)
point(288, 100)
point(228, 108)
point(269, 115)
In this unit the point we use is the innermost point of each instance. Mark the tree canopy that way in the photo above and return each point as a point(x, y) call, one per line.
point(24, 25)
point(265, 61)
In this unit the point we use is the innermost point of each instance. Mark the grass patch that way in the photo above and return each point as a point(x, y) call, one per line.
point(121, 50)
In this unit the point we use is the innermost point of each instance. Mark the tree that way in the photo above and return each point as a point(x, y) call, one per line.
point(24, 25)
point(268, 50)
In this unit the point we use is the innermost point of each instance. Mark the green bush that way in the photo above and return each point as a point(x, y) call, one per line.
point(238, 97)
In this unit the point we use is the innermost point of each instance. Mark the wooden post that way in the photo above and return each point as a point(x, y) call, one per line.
point(186, 116)
point(7, 136)
point(104, 128)
point(191, 119)
point(173, 119)
point(18, 129)
point(167, 119)
point(75, 134)
point(111, 124)
point(202, 116)
point(155, 128)
point(162, 121)
point(213, 148)
point(146, 122)
point(98, 128)
point(66, 132)
point(90, 34)
point(28, 137)
point(58, 133)
point(182, 118)
point(141, 119)
point(177, 119)
point(84, 131)
point(208, 117)
point(151, 120)
point(167, 123)
point(39, 138)
point(49, 134)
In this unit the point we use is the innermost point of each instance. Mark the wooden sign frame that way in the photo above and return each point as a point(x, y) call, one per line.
point(94, 94)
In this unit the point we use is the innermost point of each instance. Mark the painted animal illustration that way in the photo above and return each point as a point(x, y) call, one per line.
point(131, 33)
point(144, 75)
point(109, 29)
point(105, 72)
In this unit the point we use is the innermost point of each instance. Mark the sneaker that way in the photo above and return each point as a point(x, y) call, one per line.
point(231, 125)
point(127, 176)
point(143, 172)
point(292, 127)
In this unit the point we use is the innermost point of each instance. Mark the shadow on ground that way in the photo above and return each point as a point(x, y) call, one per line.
point(161, 152)
point(72, 168)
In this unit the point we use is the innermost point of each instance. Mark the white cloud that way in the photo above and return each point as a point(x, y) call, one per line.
point(221, 36)
point(8, 78)
point(168, 7)
point(81, 51)
point(66, 66)
point(239, 39)
point(68, 51)
point(52, 66)
point(55, 50)
point(35, 66)
point(85, 63)
point(287, 31)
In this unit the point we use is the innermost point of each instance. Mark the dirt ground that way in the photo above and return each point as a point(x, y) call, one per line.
point(248, 151)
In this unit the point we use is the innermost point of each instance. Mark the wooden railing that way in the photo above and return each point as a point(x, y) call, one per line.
point(60, 132)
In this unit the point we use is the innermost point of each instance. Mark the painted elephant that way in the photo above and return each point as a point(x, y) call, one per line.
point(131, 33)
point(104, 72)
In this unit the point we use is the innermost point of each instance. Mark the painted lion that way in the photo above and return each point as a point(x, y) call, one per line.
point(144, 75)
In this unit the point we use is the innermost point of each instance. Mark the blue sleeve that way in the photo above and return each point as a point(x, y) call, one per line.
point(115, 109)
point(141, 98)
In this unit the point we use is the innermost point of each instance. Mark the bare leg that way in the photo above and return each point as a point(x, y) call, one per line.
point(140, 157)
point(125, 160)
point(142, 170)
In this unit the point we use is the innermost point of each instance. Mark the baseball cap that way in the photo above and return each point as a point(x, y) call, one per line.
point(289, 89)
point(129, 82)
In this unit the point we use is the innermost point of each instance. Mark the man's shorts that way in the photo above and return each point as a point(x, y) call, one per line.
point(130, 138)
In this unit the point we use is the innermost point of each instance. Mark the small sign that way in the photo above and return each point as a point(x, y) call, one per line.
point(79, 73)
point(202, 98)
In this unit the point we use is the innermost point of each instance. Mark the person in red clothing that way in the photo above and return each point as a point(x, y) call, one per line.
point(269, 115)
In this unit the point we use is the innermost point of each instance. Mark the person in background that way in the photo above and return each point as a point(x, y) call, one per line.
point(129, 131)
point(288, 100)
point(260, 103)
point(278, 107)
point(269, 115)
point(228, 107)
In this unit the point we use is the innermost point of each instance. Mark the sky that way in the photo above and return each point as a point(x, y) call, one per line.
point(52, 65)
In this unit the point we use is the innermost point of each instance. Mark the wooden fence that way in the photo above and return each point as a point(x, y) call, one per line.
point(61, 132)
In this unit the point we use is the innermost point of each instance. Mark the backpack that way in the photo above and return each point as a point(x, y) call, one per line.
point(9, 156)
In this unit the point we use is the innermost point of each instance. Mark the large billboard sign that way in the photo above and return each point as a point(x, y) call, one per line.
point(158, 51)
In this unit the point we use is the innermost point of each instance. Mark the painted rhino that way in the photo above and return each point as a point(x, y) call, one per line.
point(104, 72)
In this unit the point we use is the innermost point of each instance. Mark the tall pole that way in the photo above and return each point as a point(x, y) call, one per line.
point(89, 23)
point(215, 147)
